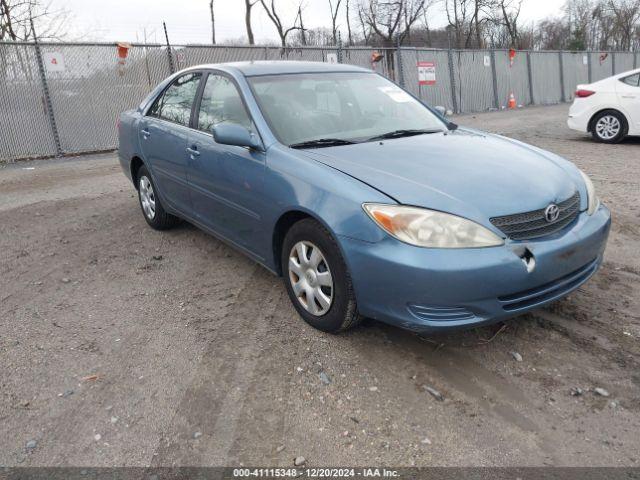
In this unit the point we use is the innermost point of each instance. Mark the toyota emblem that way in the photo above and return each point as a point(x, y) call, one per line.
point(551, 213)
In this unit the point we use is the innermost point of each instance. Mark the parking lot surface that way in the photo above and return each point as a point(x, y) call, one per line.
point(120, 345)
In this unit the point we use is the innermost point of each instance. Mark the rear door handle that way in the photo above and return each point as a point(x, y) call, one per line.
point(193, 151)
point(145, 133)
point(628, 96)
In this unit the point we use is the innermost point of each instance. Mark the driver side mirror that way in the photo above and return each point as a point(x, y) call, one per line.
point(237, 135)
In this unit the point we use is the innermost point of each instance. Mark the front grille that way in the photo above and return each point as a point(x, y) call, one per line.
point(525, 226)
point(550, 291)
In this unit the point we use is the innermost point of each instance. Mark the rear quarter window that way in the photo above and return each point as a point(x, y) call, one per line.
point(633, 80)
point(174, 104)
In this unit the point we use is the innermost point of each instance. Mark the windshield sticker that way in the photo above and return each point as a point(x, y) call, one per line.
point(396, 94)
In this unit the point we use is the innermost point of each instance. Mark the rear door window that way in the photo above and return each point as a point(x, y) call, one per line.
point(175, 103)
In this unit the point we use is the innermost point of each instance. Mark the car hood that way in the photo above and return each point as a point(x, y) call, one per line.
point(465, 172)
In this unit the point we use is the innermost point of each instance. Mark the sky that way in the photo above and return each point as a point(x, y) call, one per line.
point(188, 21)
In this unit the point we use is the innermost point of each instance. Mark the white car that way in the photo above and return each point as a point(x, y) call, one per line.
point(608, 109)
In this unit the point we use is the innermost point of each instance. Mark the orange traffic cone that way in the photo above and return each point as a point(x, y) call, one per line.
point(512, 101)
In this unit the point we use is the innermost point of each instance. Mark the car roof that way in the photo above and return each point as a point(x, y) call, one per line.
point(279, 67)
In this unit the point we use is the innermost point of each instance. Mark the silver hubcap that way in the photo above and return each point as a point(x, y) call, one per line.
point(147, 198)
point(310, 278)
point(608, 127)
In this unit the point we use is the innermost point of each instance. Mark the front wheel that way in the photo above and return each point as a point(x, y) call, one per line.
point(317, 278)
point(609, 126)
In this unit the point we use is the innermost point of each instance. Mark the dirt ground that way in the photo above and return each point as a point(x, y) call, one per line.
point(120, 345)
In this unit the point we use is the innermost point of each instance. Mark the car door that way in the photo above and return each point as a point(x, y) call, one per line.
point(628, 89)
point(163, 134)
point(226, 181)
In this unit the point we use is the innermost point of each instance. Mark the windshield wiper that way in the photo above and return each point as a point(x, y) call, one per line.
point(402, 133)
point(322, 142)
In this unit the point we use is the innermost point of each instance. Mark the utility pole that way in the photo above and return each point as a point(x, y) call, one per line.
point(45, 89)
point(166, 36)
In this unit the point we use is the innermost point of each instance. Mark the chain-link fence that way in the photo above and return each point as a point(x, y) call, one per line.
point(64, 98)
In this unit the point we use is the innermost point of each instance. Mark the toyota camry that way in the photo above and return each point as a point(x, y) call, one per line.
point(367, 202)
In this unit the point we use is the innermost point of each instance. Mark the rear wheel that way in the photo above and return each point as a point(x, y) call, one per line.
point(152, 209)
point(609, 126)
point(317, 278)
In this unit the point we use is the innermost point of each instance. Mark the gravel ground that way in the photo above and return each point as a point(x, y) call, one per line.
point(120, 345)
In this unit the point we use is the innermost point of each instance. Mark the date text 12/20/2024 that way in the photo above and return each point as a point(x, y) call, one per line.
point(314, 472)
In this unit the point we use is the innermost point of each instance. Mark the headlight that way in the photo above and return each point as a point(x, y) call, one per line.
point(428, 228)
point(592, 200)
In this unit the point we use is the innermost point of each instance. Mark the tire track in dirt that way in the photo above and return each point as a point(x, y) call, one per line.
point(204, 426)
point(464, 378)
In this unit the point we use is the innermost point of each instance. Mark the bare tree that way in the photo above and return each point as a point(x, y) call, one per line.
point(366, 30)
point(273, 15)
point(248, 5)
point(213, 23)
point(627, 15)
point(425, 26)
point(465, 19)
point(303, 32)
point(16, 17)
point(510, 11)
point(578, 16)
point(410, 20)
point(320, 37)
point(334, 6)
point(348, 17)
point(392, 19)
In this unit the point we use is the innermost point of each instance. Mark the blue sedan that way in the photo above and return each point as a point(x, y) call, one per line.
point(367, 202)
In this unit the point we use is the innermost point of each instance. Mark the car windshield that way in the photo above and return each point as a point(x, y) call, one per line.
point(340, 108)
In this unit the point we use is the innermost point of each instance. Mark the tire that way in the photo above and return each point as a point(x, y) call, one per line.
point(309, 238)
point(152, 209)
point(609, 126)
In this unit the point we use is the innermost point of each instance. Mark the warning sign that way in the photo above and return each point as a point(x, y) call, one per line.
point(426, 73)
point(53, 61)
point(332, 58)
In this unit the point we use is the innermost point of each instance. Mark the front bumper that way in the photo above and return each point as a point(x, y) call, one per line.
point(426, 290)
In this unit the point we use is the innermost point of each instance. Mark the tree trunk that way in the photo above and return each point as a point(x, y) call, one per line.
point(213, 23)
point(303, 34)
point(247, 21)
point(349, 25)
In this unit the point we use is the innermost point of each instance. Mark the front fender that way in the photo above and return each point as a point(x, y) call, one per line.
point(295, 182)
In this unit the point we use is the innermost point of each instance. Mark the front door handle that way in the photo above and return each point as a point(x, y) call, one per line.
point(193, 151)
point(145, 133)
point(628, 96)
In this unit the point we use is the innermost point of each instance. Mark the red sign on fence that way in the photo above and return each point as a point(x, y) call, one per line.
point(426, 73)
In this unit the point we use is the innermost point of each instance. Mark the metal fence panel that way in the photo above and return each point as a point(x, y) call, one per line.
point(601, 66)
point(187, 56)
point(512, 78)
point(576, 71)
point(25, 130)
point(545, 67)
point(305, 54)
point(624, 62)
point(474, 81)
point(439, 94)
point(93, 89)
point(93, 85)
